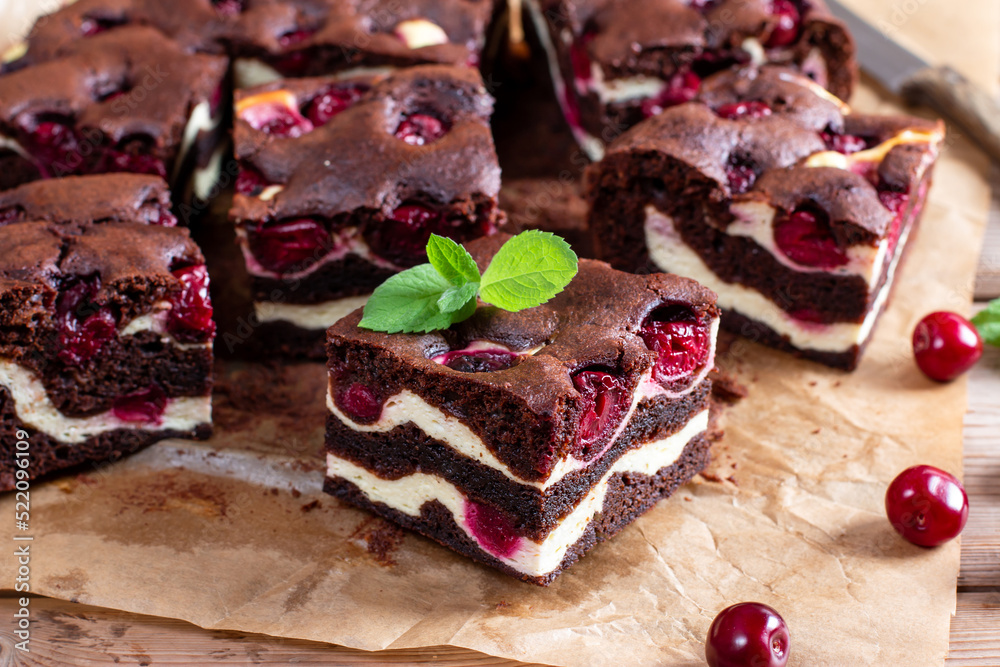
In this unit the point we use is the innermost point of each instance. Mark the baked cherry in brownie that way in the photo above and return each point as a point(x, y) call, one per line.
point(343, 180)
point(775, 195)
point(129, 113)
point(616, 63)
point(105, 340)
point(554, 397)
point(84, 199)
point(272, 39)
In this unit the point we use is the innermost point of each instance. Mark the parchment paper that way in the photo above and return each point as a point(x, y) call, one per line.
point(236, 534)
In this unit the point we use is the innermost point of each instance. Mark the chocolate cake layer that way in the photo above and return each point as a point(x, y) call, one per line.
point(128, 100)
point(81, 200)
point(406, 449)
point(48, 455)
point(615, 63)
point(776, 196)
point(629, 496)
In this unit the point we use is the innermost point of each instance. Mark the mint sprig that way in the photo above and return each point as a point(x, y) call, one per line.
point(988, 323)
point(527, 271)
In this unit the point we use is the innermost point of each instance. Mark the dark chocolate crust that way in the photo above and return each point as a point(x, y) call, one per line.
point(406, 450)
point(48, 455)
point(341, 34)
point(663, 38)
point(126, 88)
point(79, 200)
point(629, 496)
point(527, 414)
point(134, 264)
point(677, 163)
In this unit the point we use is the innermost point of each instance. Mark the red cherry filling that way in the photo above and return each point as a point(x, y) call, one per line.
point(229, 7)
point(789, 22)
point(330, 103)
point(927, 505)
point(84, 329)
point(419, 129)
point(190, 317)
point(292, 245)
point(295, 62)
point(605, 400)
point(895, 202)
point(250, 181)
point(492, 528)
point(681, 343)
point(579, 56)
point(277, 119)
point(143, 407)
point(844, 143)
point(53, 142)
point(92, 25)
point(359, 402)
point(133, 156)
point(740, 174)
point(479, 361)
point(402, 237)
point(682, 87)
point(751, 109)
point(749, 633)
point(945, 345)
point(10, 214)
point(805, 238)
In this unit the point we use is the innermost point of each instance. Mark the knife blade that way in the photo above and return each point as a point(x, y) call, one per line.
point(939, 87)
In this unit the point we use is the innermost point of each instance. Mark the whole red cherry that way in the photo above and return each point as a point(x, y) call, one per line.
point(927, 505)
point(945, 345)
point(748, 633)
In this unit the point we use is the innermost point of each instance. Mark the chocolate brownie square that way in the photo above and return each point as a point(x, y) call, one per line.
point(522, 439)
point(774, 194)
point(105, 341)
point(616, 62)
point(342, 182)
point(274, 39)
point(125, 100)
point(82, 199)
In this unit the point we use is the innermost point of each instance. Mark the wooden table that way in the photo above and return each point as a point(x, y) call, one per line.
point(65, 633)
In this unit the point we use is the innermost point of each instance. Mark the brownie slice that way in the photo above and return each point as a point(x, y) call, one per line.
point(127, 100)
point(105, 341)
point(771, 192)
point(82, 199)
point(615, 62)
point(273, 39)
point(342, 182)
point(197, 25)
point(522, 439)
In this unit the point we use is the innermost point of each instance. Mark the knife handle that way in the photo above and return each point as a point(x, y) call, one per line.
point(961, 101)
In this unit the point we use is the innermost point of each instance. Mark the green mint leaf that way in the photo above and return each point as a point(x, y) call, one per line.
point(408, 303)
point(988, 323)
point(528, 270)
point(456, 298)
point(452, 261)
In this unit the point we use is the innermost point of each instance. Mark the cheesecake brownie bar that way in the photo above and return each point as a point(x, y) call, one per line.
point(342, 182)
point(82, 199)
point(126, 100)
point(522, 439)
point(105, 341)
point(615, 62)
point(273, 39)
point(772, 193)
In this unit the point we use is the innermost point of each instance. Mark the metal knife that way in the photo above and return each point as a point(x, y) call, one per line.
point(918, 82)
